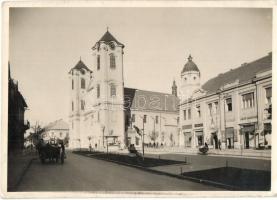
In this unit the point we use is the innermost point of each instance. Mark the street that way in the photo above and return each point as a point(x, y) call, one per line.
point(81, 173)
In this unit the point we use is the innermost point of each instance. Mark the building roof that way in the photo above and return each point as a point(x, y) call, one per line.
point(57, 125)
point(108, 37)
point(150, 101)
point(190, 66)
point(244, 73)
point(80, 66)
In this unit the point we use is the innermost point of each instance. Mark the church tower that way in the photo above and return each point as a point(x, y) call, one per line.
point(174, 88)
point(109, 90)
point(190, 79)
point(79, 77)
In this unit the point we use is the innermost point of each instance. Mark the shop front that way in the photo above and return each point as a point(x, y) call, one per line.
point(229, 137)
point(267, 135)
point(188, 139)
point(199, 138)
point(248, 132)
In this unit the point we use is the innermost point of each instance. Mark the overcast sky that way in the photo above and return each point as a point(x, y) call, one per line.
point(46, 42)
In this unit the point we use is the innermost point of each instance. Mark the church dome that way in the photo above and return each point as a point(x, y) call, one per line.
point(190, 66)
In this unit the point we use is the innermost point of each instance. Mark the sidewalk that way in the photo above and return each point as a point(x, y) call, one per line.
point(246, 153)
point(17, 166)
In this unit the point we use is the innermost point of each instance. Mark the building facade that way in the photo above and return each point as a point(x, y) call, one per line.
point(57, 130)
point(100, 115)
point(17, 125)
point(232, 110)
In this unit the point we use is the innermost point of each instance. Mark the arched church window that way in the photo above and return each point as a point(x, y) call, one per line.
point(112, 61)
point(98, 62)
point(98, 90)
point(83, 83)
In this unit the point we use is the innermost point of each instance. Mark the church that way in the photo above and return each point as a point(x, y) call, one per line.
point(103, 112)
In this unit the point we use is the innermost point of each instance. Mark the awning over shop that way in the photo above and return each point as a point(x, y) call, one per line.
point(198, 133)
point(250, 129)
point(229, 132)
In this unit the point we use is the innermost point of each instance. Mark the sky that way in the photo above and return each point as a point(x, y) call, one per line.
point(45, 43)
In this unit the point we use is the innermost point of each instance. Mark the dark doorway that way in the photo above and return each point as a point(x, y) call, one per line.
point(247, 140)
point(215, 140)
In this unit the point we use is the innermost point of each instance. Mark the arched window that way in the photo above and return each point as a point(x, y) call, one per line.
point(98, 62)
point(112, 61)
point(83, 83)
point(82, 105)
point(113, 90)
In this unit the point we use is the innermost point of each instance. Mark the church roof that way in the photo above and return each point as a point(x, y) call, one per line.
point(108, 37)
point(244, 73)
point(151, 101)
point(80, 66)
point(57, 125)
point(190, 66)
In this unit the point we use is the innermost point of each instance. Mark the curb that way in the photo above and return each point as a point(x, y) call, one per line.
point(203, 181)
point(24, 171)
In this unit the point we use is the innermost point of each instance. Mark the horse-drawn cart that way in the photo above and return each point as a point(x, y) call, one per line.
point(52, 151)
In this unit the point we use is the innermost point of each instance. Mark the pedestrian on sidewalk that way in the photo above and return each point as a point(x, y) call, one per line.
point(219, 144)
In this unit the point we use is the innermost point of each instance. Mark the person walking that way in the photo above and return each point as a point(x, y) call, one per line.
point(219, 144)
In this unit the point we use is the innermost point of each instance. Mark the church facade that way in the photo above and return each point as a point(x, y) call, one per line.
point(103, 112)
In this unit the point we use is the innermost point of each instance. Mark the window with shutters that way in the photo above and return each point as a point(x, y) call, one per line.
point(248, 100)
point(112, 61)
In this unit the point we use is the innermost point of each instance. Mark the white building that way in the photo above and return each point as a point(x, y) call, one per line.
point(57, 130)
point(233, 108)
point(97, 113)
